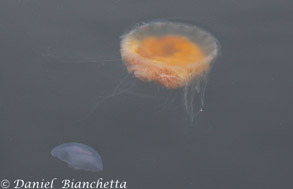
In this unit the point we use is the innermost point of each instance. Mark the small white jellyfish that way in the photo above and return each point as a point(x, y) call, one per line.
point(79, 156)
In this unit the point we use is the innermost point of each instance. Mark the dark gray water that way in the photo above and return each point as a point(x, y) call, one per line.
point(58, 59)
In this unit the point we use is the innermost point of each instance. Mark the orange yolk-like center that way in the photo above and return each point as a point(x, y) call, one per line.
point(170, 50)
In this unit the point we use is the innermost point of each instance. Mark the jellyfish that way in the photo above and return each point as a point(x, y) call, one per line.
point(174, 55)
point(79, 156)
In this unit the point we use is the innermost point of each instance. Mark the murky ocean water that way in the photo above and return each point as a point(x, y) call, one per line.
point(60, 64)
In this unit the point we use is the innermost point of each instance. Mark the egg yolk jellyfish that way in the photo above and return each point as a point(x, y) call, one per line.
point(175, 55)
point(172, 54)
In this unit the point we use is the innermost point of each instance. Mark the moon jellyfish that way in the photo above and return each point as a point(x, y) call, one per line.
point(79, 156)
point(174, 55)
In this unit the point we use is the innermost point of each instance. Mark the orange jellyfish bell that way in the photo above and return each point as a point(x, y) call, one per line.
point(171, 54)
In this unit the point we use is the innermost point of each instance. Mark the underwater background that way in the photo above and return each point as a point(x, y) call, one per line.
point(62, 80)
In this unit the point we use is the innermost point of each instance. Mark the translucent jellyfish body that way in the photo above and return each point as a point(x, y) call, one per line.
point(79, 156)
point(171, 54)
point(174, 55)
